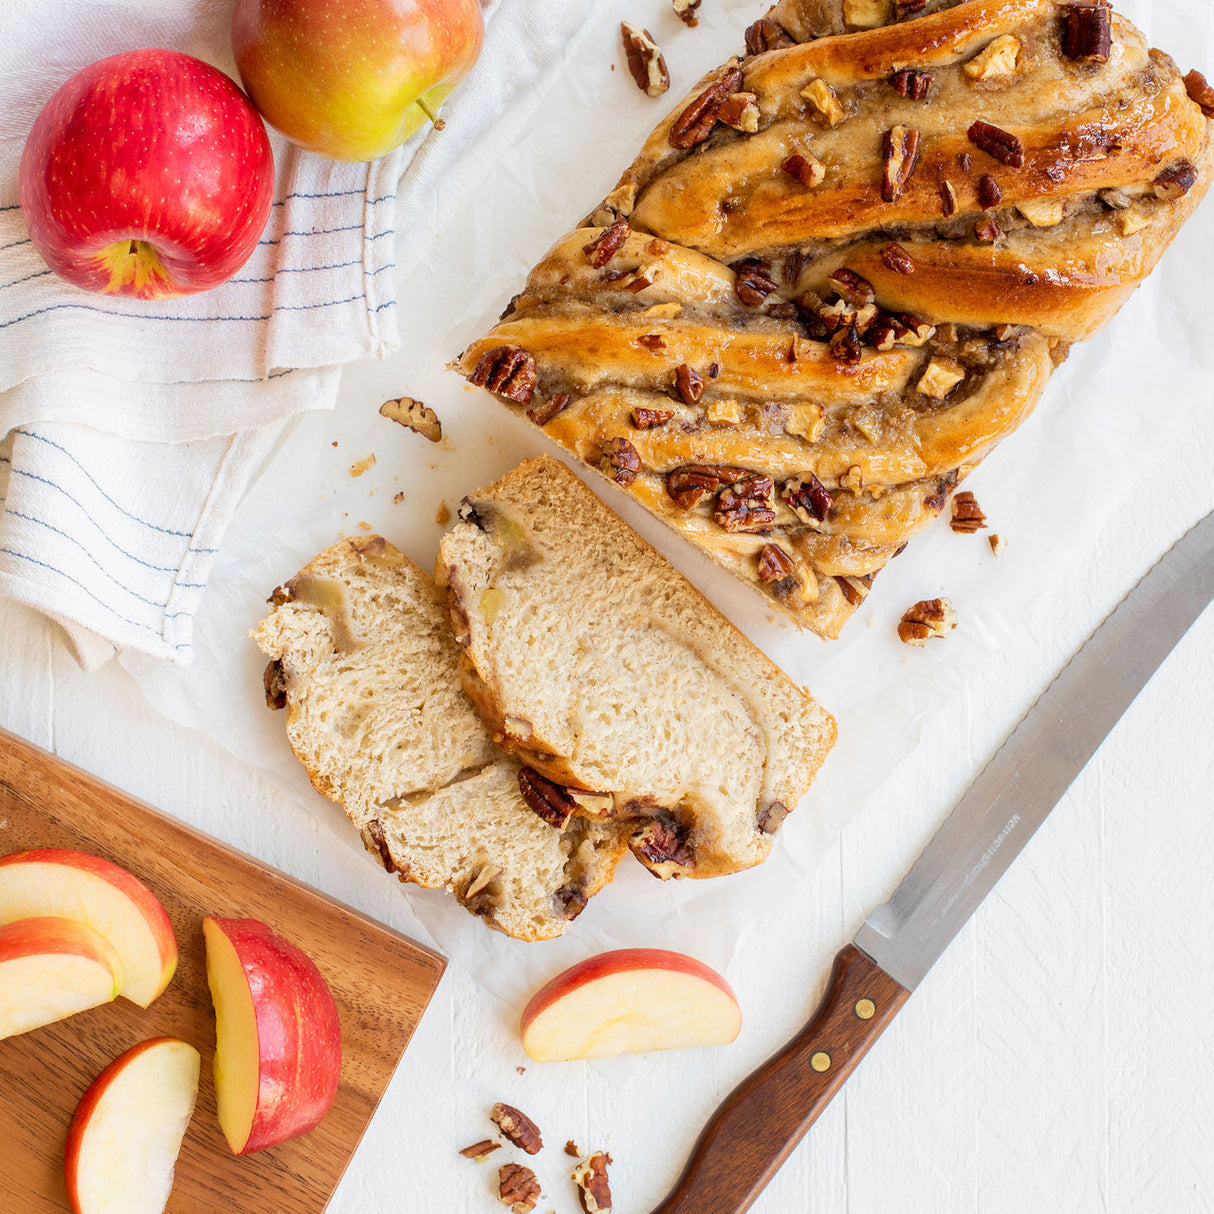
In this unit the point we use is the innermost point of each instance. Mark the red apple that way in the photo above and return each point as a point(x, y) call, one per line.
point(630, 1001)
point(278, 1040)
point(126, 1133)
point(76, 885)
point(147, 174)
point(51, 968)
point(353, 79)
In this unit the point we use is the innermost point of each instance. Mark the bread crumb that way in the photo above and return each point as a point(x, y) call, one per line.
point(442, 517)
point(400, 497)
point(522, 1070)
point(358, 468)
point(365, 526)
point(335, 442)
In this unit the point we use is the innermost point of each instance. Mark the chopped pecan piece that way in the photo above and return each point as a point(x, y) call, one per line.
point(570, 901)
point(997, 543)
point(645, 60)
point(808, 171)
point(695, 123)
point(989, 193)
point(689, 484)
point(807, 497)
point(1003, 145)
point(1200, 92)
point(518, 1127)
point(965, 162)
point(482, 880)
point(900, 151)
point(740, 111)
point(548, 799)
point(764, 35)
point(824, 99)
point(619, 460)
point(647, 419)
point(846, 347)
point(1043, 212)
point(754, 282)
point(652, 342)
point(941, 377)
point(913, 331)
point(948, 198)
point(912, 84)
point(852, 287)
point(1176, 181)
point(481, 1150)
point(997, 59)
point(541, 415)
point(855, 589)
point(506, 371)
point(907, 8)
point(662, 846)
point(866, 14)
point(967, 514)
point(926, 619)
point(685, 10)
point(1087, 32)
point(571, 1148)
point(274, 680)
point(689, 384)
point(413, 415)
point(594, 1192)
point(774, 564)
point(771, 818)
point(746, 505)
point(605, 246)
point(723, 412)
point(518, 1188)
point(988, 231)
point(793, 268)
point(896, 258)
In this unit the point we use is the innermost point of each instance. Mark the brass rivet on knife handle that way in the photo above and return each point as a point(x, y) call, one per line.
point(765, 1116)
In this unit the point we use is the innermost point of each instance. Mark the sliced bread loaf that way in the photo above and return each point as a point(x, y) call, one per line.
point(601, 666)
point(365, 665)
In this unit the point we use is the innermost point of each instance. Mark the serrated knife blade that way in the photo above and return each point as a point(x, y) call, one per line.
point(756, 1128)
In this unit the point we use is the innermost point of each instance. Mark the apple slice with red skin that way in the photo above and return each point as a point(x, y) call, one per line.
point(632, 1000)
point(76, 885)
point(278, 1039)
point(52, 968)
point(126, 1133)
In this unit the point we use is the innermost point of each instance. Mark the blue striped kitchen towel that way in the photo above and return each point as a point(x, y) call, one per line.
point(133, 428)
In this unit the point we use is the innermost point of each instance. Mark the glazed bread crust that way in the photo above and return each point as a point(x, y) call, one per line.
point(962, 192)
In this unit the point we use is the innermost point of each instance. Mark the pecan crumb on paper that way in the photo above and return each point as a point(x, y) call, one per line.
point(481, 1150)
point(685, 10)
point(413, 415)
point(967, 514)
point(927, 618)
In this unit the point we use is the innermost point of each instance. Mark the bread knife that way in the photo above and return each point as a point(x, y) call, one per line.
point(768, 1113)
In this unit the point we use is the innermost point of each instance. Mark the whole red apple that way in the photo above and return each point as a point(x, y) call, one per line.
point(147, 174)
point(353, 79)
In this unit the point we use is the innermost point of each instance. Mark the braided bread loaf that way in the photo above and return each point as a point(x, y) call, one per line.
point(846, 266)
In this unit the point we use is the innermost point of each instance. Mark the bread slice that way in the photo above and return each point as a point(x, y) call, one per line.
point(601, 666)
point(363, 662)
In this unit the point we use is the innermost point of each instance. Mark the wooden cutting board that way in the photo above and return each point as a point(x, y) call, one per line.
point(380, 980)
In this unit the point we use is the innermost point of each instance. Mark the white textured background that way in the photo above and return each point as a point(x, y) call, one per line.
point(1057, 1059)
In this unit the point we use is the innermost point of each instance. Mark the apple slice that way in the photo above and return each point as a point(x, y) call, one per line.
point(630, 1001)
point(76, 885)
point(278, 1040)
point(53, 968)
point(126, 1133)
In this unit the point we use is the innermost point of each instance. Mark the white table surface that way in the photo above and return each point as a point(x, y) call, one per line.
point(1056, 1060)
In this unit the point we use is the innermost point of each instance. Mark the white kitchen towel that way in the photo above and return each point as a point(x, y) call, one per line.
point(134, 427)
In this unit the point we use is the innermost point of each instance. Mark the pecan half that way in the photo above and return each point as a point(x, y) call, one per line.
point(1087, 32)
point(754, 282)
point(808, 171)
point(1176, 181)
point(771, 818)
point(689, 384)
point(645, 60)
point(662, 846)
point(896, 258)
point(647, 419)
point(544, 413)
point(506, 371)
point(619, 460)
point(274, 680)
point(926, 619)
point(746, 505)
point(967, 514)
point(948, 198)
point(547, 799)
point(691, 483)
point(900, 151)
point(807, 497)
point(774, 564)
point(413, 415)
point(685, 10)
point(1200, 92)
point(481, 1150)
point(989, 193)
point(695, 123)
point(518, 1188)
point(518, 1127)
point(764, 35)
point(594, 1192)
point(852, 287)
point(995, 141)
point(912, 84)
point(605, 246)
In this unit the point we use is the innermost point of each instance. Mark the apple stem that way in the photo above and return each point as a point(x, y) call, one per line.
point(438, 123)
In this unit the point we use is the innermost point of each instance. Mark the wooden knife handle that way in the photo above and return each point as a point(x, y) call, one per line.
point(767, 1114)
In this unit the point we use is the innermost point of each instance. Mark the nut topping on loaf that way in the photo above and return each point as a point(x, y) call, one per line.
point(999, 174)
